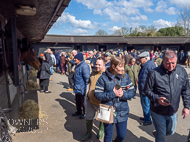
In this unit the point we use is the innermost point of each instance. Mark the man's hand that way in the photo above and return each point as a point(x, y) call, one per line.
point(162, 102)
point(119, 92)
point(68, 59)
point(185, 112)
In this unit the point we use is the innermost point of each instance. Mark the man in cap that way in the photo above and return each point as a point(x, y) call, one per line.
point(146, 67)
point(81, 76)
point(108, 59)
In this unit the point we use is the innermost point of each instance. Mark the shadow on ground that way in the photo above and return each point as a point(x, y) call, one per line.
point(148, 129)
point(74, 124)
point(65, 85)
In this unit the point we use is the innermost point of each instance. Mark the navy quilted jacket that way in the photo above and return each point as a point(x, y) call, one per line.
point(145, 69)
point(104, 92)
point(82, 74)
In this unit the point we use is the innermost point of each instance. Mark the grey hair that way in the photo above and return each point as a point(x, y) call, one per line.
point(169, 54)
point(74, 51)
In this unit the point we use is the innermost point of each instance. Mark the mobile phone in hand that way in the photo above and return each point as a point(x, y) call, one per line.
point(167, 101)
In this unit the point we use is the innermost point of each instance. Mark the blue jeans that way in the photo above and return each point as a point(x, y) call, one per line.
point(121, 131)
point(145, 102)
point(51, 69)
point(164, 125)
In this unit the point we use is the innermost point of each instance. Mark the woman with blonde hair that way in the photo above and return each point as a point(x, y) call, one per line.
point(114, 88)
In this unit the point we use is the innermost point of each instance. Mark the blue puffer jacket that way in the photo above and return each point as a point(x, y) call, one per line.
point(82, 74)
point(145, 69)
point(104, 92)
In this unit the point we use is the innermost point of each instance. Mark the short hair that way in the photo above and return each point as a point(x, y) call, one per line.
point(131, 59)
point(116, 61)
point(169, 54)
point(101, 58)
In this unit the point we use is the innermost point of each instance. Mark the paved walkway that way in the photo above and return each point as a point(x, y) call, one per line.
point(56, 123)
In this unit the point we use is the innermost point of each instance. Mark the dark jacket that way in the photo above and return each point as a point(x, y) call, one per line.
point(145, 69)
point(171, 85)
point(82, 74)
point(48, 59)
point(104, 92)
point(44, 72)
point(57, 56)
point(92, 61)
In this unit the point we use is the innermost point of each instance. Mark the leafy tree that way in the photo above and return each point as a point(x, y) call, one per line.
point(101, 33)
point(170, 31)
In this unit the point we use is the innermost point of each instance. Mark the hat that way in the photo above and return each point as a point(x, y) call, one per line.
point(107, 54)
point(144, 54)
point(79, 56)
point(41, 55)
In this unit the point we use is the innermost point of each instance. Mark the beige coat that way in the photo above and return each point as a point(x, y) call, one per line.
point(92, 84)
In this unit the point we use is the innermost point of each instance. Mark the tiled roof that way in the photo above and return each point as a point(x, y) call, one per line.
point(84, 39)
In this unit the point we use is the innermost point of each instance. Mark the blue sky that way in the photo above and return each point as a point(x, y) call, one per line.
point(86, 17)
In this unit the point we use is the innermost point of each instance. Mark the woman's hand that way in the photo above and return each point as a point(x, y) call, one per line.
point(119, 92)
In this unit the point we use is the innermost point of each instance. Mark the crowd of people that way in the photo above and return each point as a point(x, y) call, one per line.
point(93, 77)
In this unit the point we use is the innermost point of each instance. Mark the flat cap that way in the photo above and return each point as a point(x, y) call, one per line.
point(144, 54)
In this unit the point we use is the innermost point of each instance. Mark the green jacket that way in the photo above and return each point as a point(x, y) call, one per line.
point(133, 73)
point(159, 60)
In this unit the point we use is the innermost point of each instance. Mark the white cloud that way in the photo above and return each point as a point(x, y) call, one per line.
point(79, 32)
point(171, 11)
point(139, 18)
point(161, 6)
point(95, 4)
point(163, 24)
point(98, 11)
point(148, 9)
point(118, 10)
point(180, 3)
point(86, 24)
point(114, 28)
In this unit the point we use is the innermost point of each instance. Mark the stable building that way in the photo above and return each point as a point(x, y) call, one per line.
point(104, 43)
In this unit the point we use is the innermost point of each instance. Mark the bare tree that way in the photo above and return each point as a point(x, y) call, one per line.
point(143, 29)
point(101, 33)
point(122, 32)
point(184, 19)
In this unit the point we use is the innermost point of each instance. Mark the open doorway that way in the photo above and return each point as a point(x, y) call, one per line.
point(102, 48)
point(78, 48)
point(157, 48)
point(129, 48)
